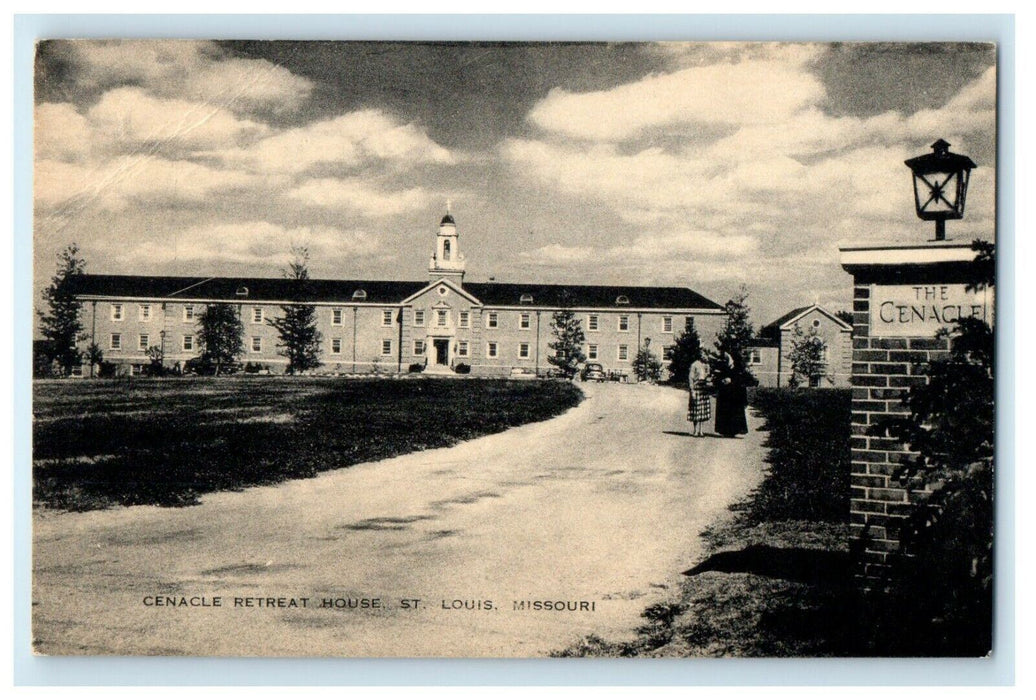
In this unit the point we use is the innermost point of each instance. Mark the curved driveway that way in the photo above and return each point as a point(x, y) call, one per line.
point(601, 505)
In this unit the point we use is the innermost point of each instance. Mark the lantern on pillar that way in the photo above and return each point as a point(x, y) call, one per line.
point(940, 185)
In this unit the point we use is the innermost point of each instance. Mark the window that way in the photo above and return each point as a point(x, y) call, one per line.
point(188, 342)
point(336, 346)
point(523, 350)
point(525, 321)
point(143, 344)
point(242, 291)
point(624, 352)
point(136, 370)
point(491, 350)
point(386, 317)
point(360, 295)
point(624, 323)
point(823, 354)
point(257, 314)
point(591, 352)
point(445, 250)
point(441, 317)
point(465, 319)
point(667, 324)
point(188, 312)
point(462, 348)
point(622, 299)
point(115, 342)
point(592, 321)
point(116, 312)
point(525, 299)
point(386, 347)
point(688, 323)
point(257, 344)
point(145, 312)
point(816, 323)
point(336, 317)
point(754, 356)
point(667, 352)
point(492, 320)
point(418, 317)
point(77, 371)
point(418, 347)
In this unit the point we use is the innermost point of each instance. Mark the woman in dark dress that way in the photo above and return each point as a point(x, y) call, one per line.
point(731, 398)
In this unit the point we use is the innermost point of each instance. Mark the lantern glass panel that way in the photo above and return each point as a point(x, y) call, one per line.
point(937, 192)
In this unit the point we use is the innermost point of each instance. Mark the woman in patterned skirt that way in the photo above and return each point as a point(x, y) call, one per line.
point(698, 408)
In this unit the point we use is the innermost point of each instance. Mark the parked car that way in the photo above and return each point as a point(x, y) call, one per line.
point(204, 367)
point(592, 372)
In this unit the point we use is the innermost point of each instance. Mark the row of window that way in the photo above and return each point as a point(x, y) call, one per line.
point(441, 318)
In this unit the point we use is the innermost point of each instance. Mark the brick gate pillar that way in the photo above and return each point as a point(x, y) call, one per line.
point(902, 295)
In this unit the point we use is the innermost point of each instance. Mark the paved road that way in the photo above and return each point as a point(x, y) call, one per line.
point(601, 505)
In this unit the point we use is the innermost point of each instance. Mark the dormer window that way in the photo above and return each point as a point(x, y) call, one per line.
point(242, 291)
point(360, 295)
point(526, 299)
point(622, 299)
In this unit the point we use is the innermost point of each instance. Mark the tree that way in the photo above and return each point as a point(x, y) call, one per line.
point(156, 356)
point(60, 323)
point(685, 352)
point(646, 365)
point(297, 328)
point(95, 356)
point(846, 316)
point(567, 344)
point(219, 334)
point(735, 336)
point(807, 357)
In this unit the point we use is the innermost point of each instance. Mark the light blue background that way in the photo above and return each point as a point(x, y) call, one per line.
point(30, 670)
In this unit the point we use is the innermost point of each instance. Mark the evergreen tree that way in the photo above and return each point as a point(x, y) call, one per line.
point(297, 328)
point(567, 344)
point(807, 357)
point(735, 336)
point(646, 365)
point(685, 352)
point(60, 323)
point(219, 335)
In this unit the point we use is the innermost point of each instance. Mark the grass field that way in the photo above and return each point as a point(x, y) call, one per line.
point(98, 444)
point(775, 577)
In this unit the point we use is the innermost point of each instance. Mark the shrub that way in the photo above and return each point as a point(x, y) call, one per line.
point(416, 367)
point(462, 368)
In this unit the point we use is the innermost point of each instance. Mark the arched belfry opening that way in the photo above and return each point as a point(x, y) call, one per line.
point(447, 261)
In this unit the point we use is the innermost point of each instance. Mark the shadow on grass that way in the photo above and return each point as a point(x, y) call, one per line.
point(171, 441)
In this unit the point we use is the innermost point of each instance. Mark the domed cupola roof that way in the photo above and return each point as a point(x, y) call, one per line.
point(448, 219)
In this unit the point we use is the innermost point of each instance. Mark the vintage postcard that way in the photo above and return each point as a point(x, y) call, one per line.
point(399, 349)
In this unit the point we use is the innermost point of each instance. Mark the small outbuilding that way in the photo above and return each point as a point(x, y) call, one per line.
point(769, 355)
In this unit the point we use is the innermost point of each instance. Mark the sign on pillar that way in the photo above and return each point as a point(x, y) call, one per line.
point(902, 297)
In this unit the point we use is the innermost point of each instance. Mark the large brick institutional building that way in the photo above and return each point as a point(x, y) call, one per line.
point(385, 326)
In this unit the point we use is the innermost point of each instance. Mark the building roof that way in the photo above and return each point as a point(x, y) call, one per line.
point(233, 289)
point(789, 319)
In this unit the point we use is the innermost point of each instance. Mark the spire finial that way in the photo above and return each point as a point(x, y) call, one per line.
point(447, 206)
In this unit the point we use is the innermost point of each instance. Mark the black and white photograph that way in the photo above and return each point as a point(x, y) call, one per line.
point(513, 349)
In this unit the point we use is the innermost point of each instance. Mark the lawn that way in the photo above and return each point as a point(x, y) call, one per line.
point(776, 575)
point(98, 444)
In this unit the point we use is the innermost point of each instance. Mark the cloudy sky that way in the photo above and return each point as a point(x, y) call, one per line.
point(699, 165)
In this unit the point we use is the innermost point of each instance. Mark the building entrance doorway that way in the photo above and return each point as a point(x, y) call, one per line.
point(442, 351)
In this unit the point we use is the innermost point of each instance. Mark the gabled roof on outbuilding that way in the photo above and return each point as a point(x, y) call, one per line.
point(789, 319)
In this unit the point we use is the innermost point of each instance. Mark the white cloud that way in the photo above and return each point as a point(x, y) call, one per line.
point(130, 117)
point(249, 243)
point(117, 183)
point(348, 140)
point(61, 133)
point(193, 70)
point(749, 92)
point(354, 195)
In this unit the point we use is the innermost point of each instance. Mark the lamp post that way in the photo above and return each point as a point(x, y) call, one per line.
point(940, 185)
